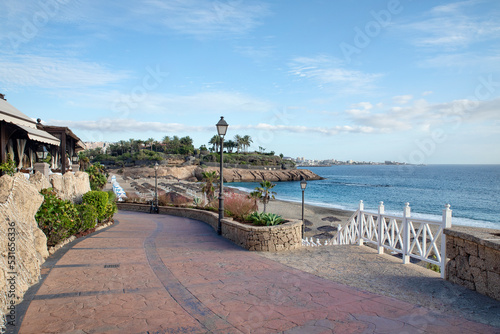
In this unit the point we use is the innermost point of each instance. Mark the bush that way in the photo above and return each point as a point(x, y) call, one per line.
point(56, 218)
point(97, 176)
point(238, 205)
point(87, 217)
point(99, 199)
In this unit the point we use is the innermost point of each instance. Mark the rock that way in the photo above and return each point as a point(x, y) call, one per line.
point(257, 175)
point(19, 202)
point(70, 186)
point(230, 174)
point(176, 198)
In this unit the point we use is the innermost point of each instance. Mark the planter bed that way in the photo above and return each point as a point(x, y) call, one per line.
point(255, 238)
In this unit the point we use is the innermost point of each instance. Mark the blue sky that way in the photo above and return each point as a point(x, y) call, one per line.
point(413, 81)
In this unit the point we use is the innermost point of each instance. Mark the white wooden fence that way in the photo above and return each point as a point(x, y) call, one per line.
point(421, 239)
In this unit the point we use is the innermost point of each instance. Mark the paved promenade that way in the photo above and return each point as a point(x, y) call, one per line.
point(164, 274)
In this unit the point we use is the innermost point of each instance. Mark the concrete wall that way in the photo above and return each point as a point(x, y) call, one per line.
point(474, 259)
point(255, 238)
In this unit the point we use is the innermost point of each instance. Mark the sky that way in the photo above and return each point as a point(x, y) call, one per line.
point(398, 80)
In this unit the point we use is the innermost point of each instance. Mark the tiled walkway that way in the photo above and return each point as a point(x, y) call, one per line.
point(164, 274)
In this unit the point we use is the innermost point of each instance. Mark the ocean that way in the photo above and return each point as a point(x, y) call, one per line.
point(473, 191)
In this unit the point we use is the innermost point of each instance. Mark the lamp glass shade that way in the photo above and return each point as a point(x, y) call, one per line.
point(156, 166)
point(74, 158)
point(221, 127)
point(303, 184)
point(41, 153)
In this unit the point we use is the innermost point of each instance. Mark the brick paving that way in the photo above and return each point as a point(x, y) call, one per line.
point(165, 274)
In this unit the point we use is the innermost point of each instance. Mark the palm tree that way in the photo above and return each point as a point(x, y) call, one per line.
point(230, 145)
point(215, 141)
point(208, 188)
point(265, 192)
point(254, 196)
point(150, 141)
point(238, 139)
point(247, 140)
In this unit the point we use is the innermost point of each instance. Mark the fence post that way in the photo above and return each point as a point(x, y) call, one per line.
point(380, 226)
point(359, 223)
point(339, 232)
point(406, 233)
point(445, 224)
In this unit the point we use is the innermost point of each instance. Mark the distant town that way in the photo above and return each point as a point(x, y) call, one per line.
point(302, 162)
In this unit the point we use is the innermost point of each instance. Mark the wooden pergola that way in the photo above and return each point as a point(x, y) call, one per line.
point(69, 144)
point(19, 136)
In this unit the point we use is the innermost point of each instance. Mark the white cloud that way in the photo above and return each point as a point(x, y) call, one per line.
point(208, 102)
point(453, 26)
point(402, 99)
point(328, 71)
point(203, 18)
point(423, 115)
point(122, 125)
point(46, 72)
point(113, 125)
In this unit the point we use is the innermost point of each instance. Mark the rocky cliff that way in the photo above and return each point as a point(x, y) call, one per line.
point(194, 173)
point(248, 175)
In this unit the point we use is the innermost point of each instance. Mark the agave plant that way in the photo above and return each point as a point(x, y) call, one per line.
point(197, 201)
point(272, 219)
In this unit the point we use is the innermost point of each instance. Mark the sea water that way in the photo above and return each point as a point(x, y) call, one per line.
point(473, 191)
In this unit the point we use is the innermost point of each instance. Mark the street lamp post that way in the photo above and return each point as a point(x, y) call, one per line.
point(221, 130)
point(303, 185)
point(156, 189)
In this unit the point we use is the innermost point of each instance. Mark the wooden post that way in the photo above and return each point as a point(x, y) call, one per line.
point(359, 223)
point(406, 233)
point(446, 224)
point(380, 226)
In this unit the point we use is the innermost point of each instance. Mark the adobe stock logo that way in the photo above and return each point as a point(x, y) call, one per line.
point(29, 28)
point(372, 29)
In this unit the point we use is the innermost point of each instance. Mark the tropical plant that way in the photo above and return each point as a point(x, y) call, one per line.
point(255, 197)
point(9, 166)
point(215, 142)
point(265, 192)
point(97, 176)
point(239, 143)
point(208, 188)
point(197, 202)
point(246, 141)
point(230, 145)
point(265, 219)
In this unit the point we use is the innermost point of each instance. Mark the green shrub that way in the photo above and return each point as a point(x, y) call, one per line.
point(98, 199)
point(87, 217)
point(9, 166)
point(265, 219)
point(97, 176)
point(56, 218)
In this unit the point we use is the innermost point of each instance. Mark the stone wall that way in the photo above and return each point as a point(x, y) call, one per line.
point(474, 259)
point(255, 238)
point(23, 246)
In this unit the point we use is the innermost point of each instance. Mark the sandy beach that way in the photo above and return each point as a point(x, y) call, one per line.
point(320, 222)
